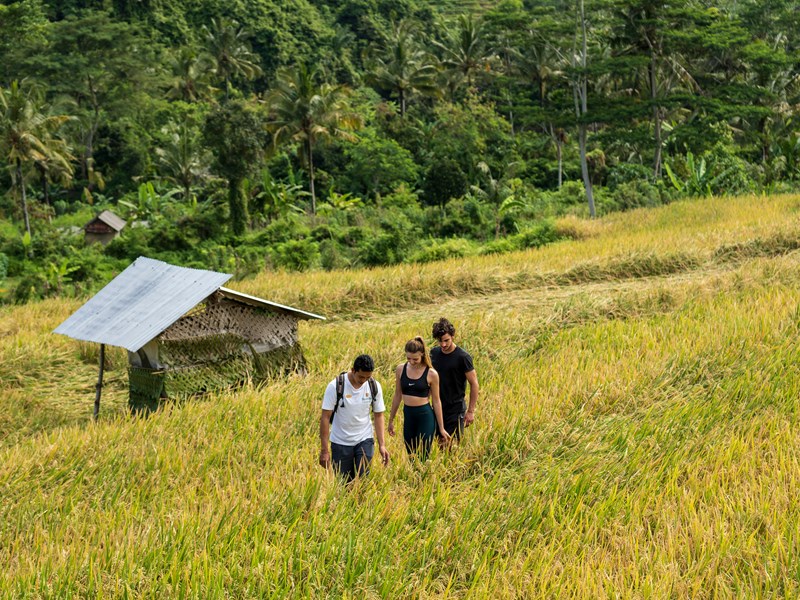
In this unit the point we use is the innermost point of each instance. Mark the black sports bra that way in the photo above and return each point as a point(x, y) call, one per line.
point(415, 387)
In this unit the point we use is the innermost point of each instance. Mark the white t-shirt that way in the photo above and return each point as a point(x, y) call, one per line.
point(352, 423)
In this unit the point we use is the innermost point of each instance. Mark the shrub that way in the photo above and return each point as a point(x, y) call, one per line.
point(733, 174)
point(296, 255)
point(390, 242)
point(441, 250)
point(463, 217)
point(501, 245)
point(635, 194)
point(444, 180)
point(333, 255)
point(377, 165)
point(626, 172)
point(290, 227)
point(538, 235)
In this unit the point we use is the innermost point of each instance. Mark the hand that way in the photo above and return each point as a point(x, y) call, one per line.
point(444, 438)
point(325, 459)
point(384, 455)
point(469, 418)
point(391, 428)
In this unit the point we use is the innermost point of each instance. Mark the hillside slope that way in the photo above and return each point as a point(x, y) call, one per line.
point(636, 436)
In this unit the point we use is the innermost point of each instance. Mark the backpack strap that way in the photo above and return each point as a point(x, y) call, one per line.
point(373, 388)
point(339, 392)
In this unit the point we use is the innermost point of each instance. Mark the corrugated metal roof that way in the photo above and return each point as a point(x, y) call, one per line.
point(110, 219)
point(253, 301)
point(140, 303)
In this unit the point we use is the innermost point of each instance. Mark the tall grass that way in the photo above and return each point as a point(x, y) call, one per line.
point(636, 437)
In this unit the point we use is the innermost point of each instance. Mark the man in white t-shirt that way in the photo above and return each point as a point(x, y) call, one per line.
point(350, 434)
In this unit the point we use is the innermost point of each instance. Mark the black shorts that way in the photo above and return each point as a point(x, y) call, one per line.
point(454, 423)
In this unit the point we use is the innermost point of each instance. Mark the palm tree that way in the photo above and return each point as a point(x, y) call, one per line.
point(55, 167)
point(189, 76)
point(229, 52)
point(28, 135)
point(580, 92)
point(304, 112)
point(405, 69)
point(497, 192)
point(643, 31)
point(182, 158)
point(464, 49)
point(539, 64)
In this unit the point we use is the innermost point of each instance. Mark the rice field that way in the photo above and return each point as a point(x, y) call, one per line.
point(636, 437)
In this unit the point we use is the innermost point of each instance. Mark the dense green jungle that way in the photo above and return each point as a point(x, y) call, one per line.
point(263, 135)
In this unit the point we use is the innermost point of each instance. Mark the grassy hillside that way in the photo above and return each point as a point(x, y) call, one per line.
point(636, 436)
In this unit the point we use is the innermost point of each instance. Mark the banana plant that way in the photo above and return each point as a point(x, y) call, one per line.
point(57, 274)
point(698, 181)
point(276, 199)
point(149, 203)
point(339, 202)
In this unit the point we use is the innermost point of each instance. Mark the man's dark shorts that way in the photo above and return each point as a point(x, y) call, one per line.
point(454, 423)
point(350, 461)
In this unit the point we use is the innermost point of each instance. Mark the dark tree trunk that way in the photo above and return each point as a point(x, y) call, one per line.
point(656, 118)
point(24, 198)
point(237, 203)
point(310, 151)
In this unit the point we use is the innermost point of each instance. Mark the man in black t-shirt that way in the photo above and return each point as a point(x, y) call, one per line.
point(455, 369)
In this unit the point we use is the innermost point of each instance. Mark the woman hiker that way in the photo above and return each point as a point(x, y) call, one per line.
point(417, 385)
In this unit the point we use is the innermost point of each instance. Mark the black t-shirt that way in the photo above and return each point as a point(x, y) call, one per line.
point(452, 369)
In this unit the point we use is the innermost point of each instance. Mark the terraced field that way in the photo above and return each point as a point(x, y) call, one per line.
point(637, 434)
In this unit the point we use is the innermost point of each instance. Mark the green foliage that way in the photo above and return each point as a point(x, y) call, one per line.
point(332, 255)
point(441, 250)
point(304, 112)
point(538, 235)
point(636, 194)
point(274, 199)
point(296, 255)
point(463, 217)
point(626, 172)
point(378, 165)
point(697, 177)
point(444, 181)
point(235, 135)
point(3, 268)
point(468, 107)
point(391, 242)
point(21, 22)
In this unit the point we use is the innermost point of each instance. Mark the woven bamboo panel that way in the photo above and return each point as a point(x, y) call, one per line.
point(149, 388)
point(220, 316)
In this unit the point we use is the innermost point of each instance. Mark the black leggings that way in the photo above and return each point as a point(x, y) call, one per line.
point(419, 425)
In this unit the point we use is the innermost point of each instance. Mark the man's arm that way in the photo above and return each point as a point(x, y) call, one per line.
point(381, 441)
point(472, 379)
point(324, 437)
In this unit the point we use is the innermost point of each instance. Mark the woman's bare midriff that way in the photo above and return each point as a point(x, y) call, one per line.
point(414, 400)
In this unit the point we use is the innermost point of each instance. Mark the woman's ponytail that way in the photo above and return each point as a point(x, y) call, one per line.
point(418, 345)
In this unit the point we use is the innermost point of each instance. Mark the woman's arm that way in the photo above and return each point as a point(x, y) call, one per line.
point(433, 381)
point(396, 398)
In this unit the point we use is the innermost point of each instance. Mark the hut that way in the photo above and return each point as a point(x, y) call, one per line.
point(185, 333)
point(103, 228)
